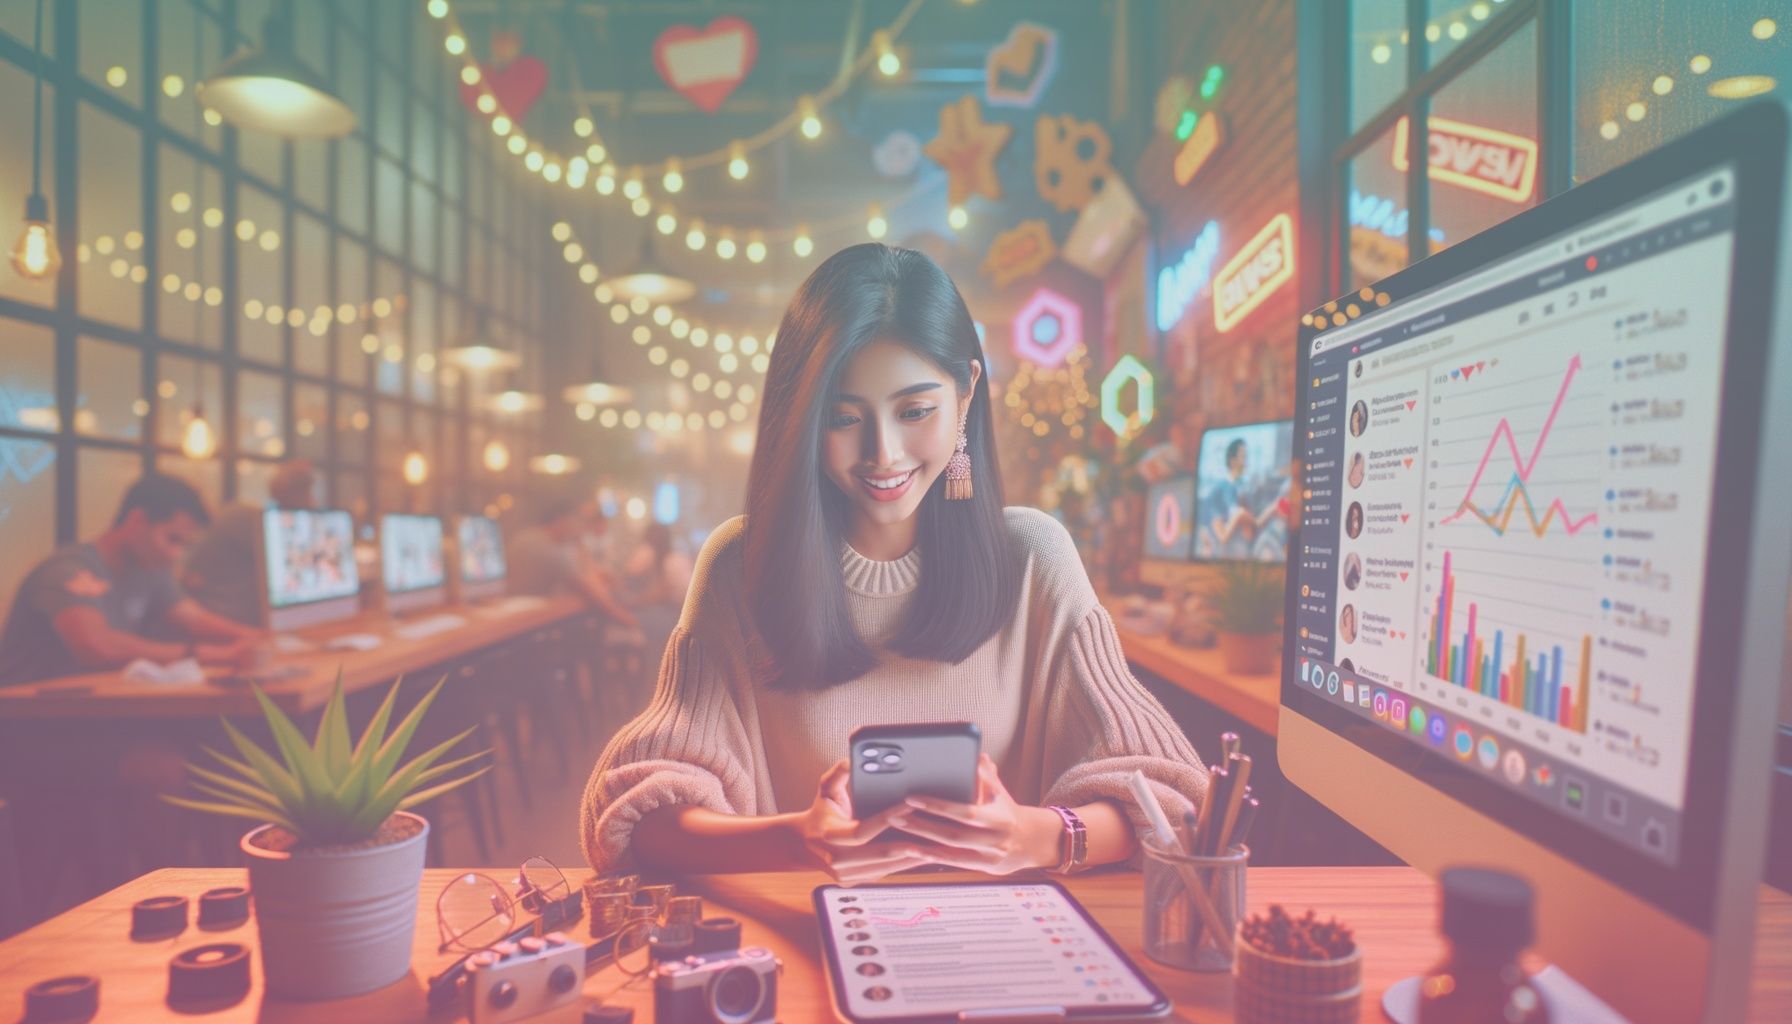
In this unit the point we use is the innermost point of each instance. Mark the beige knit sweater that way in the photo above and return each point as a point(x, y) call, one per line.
point(1062, 717)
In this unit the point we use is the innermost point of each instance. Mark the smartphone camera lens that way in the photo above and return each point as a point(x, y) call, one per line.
point(873, 766)
point(892, 758)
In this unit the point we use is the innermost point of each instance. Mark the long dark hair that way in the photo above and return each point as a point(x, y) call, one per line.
point(797, 517)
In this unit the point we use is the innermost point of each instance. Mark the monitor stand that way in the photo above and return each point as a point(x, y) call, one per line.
point(1567, 1000)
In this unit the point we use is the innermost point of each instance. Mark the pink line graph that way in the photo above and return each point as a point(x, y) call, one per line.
point(1523, 466)
point(909, 922)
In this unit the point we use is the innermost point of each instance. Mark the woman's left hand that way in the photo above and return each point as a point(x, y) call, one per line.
point(995, 835)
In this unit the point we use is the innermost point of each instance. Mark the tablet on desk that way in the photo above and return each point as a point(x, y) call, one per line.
point(975, 951)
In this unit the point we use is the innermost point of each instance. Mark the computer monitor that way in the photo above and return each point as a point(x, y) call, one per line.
point(1242, 492)
point(308, 567)
point(411, 562)
point(1541, 630)
point(1170, 519)
point(479, 552)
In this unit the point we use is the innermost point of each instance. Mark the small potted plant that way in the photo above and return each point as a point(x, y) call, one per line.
point(1245, 600)
point(336, 861)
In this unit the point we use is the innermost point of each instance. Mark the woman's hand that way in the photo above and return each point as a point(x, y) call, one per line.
point(994, 835)
point(845, 847)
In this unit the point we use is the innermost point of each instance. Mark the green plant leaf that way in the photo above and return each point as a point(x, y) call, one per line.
point(239, 800)
point(444, 770)
point(249, 774)
point(247, 789)
point(230, 811)
point(333, 743)
point(304, 764)
point(267, 769)
point(426, 795)
point(393, 748)
point(401, 784)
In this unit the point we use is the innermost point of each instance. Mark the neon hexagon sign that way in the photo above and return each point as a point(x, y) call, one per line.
point(1047, 329)
point(1122, 424)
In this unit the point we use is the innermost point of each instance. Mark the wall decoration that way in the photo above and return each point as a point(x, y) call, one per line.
point(1070, 160)
point(515, 80)
point(967, 147)
point(1020, 251)
point(897, 155)
point(1016, 72)
point(1128, 370)
point(1041, 399)
point(1180, 282)
point(1485, 160)
point(1208, 135)
point(1047, 328)
point(706, 65)
point(1105, 229)
point(1172, 99)
point(1264, 264)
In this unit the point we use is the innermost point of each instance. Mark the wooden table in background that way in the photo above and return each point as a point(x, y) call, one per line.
point(107, 695)
point(1253, 700)
point(1391, 909)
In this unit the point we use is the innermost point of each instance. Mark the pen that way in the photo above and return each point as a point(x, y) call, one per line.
point(1160, 823)
point(1247, 813)
point(1238, 773)
point(1229, 745)
point(1218, 783)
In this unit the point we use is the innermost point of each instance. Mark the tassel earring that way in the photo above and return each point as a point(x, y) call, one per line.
point(958, 471)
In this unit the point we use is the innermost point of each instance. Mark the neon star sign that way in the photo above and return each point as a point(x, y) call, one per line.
point(1178, 283)
point(1047, 329)
point(1127, 371)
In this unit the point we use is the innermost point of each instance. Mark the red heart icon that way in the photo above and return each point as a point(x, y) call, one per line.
point(1404, 516)
point(516, 86)
point(1468, 371)
point(1403, 577)
point(1411, 405)
point(705, 65)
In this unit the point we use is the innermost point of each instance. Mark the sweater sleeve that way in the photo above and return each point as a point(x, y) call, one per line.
point(1102, 725)
point(689, 747)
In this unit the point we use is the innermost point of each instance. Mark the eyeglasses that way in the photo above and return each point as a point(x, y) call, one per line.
point(475, 911)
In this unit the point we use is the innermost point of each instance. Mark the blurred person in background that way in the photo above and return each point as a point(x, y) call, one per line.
point(221, 571)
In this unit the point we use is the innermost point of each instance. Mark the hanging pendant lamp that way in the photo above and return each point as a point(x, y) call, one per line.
point(271, 90)
point(651, 281)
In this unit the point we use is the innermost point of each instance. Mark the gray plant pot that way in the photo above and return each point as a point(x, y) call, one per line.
point(335, 923)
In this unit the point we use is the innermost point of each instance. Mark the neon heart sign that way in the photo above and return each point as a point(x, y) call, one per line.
point(706, 65)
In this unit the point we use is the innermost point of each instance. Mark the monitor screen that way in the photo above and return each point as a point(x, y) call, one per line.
point(411, 553)
point(1504, 559)
point(1242, 480)
point(1170, 519)
point(481, 550)
point(310, 556)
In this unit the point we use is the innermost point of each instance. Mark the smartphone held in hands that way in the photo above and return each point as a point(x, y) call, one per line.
point(889, 762)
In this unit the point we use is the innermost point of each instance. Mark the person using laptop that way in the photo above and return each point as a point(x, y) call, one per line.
point(220, 572)
point(94, 605)
point(878, 578)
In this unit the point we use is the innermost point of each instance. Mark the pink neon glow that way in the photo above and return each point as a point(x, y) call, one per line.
point(1070, 329)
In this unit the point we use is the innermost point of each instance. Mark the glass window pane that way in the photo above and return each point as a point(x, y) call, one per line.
point(183, 386)
point(190, 251)
point(1645, 71)
point(18, 20)
point(259, 421)
point(388, 213)
point(1375, 205)
point(206, 476)
point(311, 293)
point(112, 214)
point(311, 421)
point(101, 477)
point(355, 444)
point(110, 402)
point(351, 288)
point(389, 106)
point(452, 224)
point(1484, 148)
point(190, 44)
point(27, 509)
point(111, 49)
point(351, 493)
point(423, 228)
point(1378, 40)
point(424, 341)
point(351, 184)
point(390, 311)
point(1449, 22)
point(311, 175)
point(15, 162)
point(261, 276)
point(27, 377)
point(423, 143)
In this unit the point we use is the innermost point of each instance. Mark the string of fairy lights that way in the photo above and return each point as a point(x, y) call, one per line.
point(595, 168)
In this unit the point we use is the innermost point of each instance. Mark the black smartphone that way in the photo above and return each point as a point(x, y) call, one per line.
point(889, 762)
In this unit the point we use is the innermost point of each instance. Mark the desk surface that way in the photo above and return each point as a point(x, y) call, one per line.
point(110, 695)
point(1252, 699)
point(1391, 909)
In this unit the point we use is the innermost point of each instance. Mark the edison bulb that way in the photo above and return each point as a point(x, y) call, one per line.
point(35, 255)
point(198, 441)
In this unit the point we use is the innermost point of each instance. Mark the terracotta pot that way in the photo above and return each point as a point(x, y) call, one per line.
point(1250, 654)
point(335, 922)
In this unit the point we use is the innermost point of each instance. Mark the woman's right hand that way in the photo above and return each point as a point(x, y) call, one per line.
point(845, 847)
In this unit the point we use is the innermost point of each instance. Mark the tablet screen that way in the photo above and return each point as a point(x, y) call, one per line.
point(922, 952)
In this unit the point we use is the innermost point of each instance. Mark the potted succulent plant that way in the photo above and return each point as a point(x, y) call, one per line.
point(336, 862)
point(1245, 599)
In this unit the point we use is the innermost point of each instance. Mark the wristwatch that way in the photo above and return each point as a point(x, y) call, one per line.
point(1074, 847)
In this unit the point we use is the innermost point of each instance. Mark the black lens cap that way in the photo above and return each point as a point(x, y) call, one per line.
point(158, 917)
point(225, 907)
point(65, 1000)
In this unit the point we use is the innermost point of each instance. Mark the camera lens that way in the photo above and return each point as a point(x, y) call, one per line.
point(735, 994)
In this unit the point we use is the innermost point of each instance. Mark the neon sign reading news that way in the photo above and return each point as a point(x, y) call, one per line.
point(1178, 283)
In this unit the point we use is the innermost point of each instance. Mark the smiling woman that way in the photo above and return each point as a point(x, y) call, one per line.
point(860, 588)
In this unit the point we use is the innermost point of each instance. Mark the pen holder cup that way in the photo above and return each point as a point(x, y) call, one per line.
point(1193, 906)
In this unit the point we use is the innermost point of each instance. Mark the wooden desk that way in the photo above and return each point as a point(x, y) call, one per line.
point(109, 695)
point(1391, 909)
point(1202, 673)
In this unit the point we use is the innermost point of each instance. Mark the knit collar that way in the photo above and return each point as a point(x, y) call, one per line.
point(880, 579)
